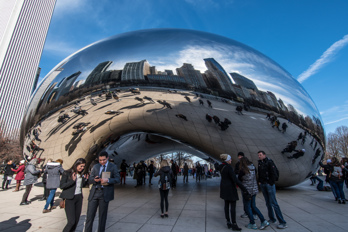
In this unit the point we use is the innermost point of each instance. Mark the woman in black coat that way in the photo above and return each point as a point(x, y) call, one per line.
point(72, 182)
point(228, 190)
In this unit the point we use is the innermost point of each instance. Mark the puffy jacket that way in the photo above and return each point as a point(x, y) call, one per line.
point(53, 170)
point(249, 180)
point(31, 174)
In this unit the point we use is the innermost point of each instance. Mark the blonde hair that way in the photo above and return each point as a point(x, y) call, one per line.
point(223, 156)
point(164, 163)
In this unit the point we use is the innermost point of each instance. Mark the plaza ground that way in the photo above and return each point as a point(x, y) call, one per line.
point(192, 207)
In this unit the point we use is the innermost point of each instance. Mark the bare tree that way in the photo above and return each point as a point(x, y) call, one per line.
point(9, 148)
point(337, 143)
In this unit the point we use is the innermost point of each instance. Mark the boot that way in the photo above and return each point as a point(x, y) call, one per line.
point(17, 188)
point(229, 225)
point(235, 227)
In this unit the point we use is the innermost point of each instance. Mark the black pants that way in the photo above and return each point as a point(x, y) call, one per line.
point(97, 201)
point(151, 175)
point(5, 182)
point(233, 211)
point(46, 191)
point(164, 199)
point(186, 176)
point(26, 193)
point(73, 209)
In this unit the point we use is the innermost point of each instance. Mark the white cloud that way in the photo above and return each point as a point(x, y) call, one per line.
point(338, 120)
point(60, 48)
point(326, 57)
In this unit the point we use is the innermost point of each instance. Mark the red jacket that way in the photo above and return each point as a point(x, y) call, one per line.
point(20, 172)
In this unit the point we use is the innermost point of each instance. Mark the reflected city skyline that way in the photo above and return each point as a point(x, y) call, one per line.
point(193, 91)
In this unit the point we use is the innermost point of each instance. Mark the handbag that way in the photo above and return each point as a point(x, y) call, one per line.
point(62, 204)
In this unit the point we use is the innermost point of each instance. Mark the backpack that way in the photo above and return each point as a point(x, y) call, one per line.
point(164, 181)
point(337, 172)
point(276, 171)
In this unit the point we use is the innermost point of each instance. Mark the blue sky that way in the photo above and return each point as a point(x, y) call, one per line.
point(307, 38)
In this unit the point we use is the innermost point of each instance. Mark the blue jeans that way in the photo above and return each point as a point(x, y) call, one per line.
point(333, 189)
point(250, 208)
point(269, 193)
point(338, 188)
point(50, 199)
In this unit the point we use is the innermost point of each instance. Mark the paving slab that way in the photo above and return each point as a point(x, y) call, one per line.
point(192, 207)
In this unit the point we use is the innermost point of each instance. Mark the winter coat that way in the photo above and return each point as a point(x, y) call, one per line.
point(8, 170)
point(20, 172)
point(228, 189)
point(53, 170)
point(249, 180)
point(267, 171)
point(164, 171)
point(69, 185)
point(186, 170)
point(31, 174)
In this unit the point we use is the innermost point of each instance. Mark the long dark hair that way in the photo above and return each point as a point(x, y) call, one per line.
point(243, 165)
point(77, 163)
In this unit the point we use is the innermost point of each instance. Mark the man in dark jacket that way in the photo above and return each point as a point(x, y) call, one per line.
point(267, 173)
point(102, 191)
point(8, 174)
point(173, 167)
point(151, 170)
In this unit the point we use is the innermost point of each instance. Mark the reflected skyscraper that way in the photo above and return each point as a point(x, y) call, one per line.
point(219, 73)
point(243, 81)
point(192, 76)
point(23, 29)
point(135, 71)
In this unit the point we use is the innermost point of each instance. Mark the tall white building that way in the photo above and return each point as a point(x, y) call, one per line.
point(23, 29)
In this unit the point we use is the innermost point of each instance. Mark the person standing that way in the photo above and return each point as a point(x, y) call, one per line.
point(199, 171)
point(173, 167)
point(166, 176)
point(8, 174)
point(72, 183)
point(31, 176)
point(186, 172)
point(247, 175)
point(102, 191)
point(123, 171)
point(151, 170)
point(44, 181)
point(267, 173)
point(53, 171)
point(20, 174)
point(228, 191)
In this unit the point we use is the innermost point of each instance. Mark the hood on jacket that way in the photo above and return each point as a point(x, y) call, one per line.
point(52, 165)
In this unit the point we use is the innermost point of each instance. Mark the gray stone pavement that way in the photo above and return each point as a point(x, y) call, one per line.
point(192, 207)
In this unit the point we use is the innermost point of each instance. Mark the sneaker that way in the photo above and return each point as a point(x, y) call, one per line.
point(251, 226)
point(46, 211)
point(255, 217)
point(343, 202)
point(244, 215)
point(339, 202)
point(282, 226)
point(264, 224)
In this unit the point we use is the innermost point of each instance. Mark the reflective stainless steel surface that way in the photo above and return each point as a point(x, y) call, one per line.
point(144, 93)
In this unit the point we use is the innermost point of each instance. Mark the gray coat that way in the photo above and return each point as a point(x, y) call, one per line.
point(31, 174)
point(249, 180)
point(53, 170)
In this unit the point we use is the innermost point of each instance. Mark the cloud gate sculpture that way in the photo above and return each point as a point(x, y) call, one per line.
point(145, 93)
